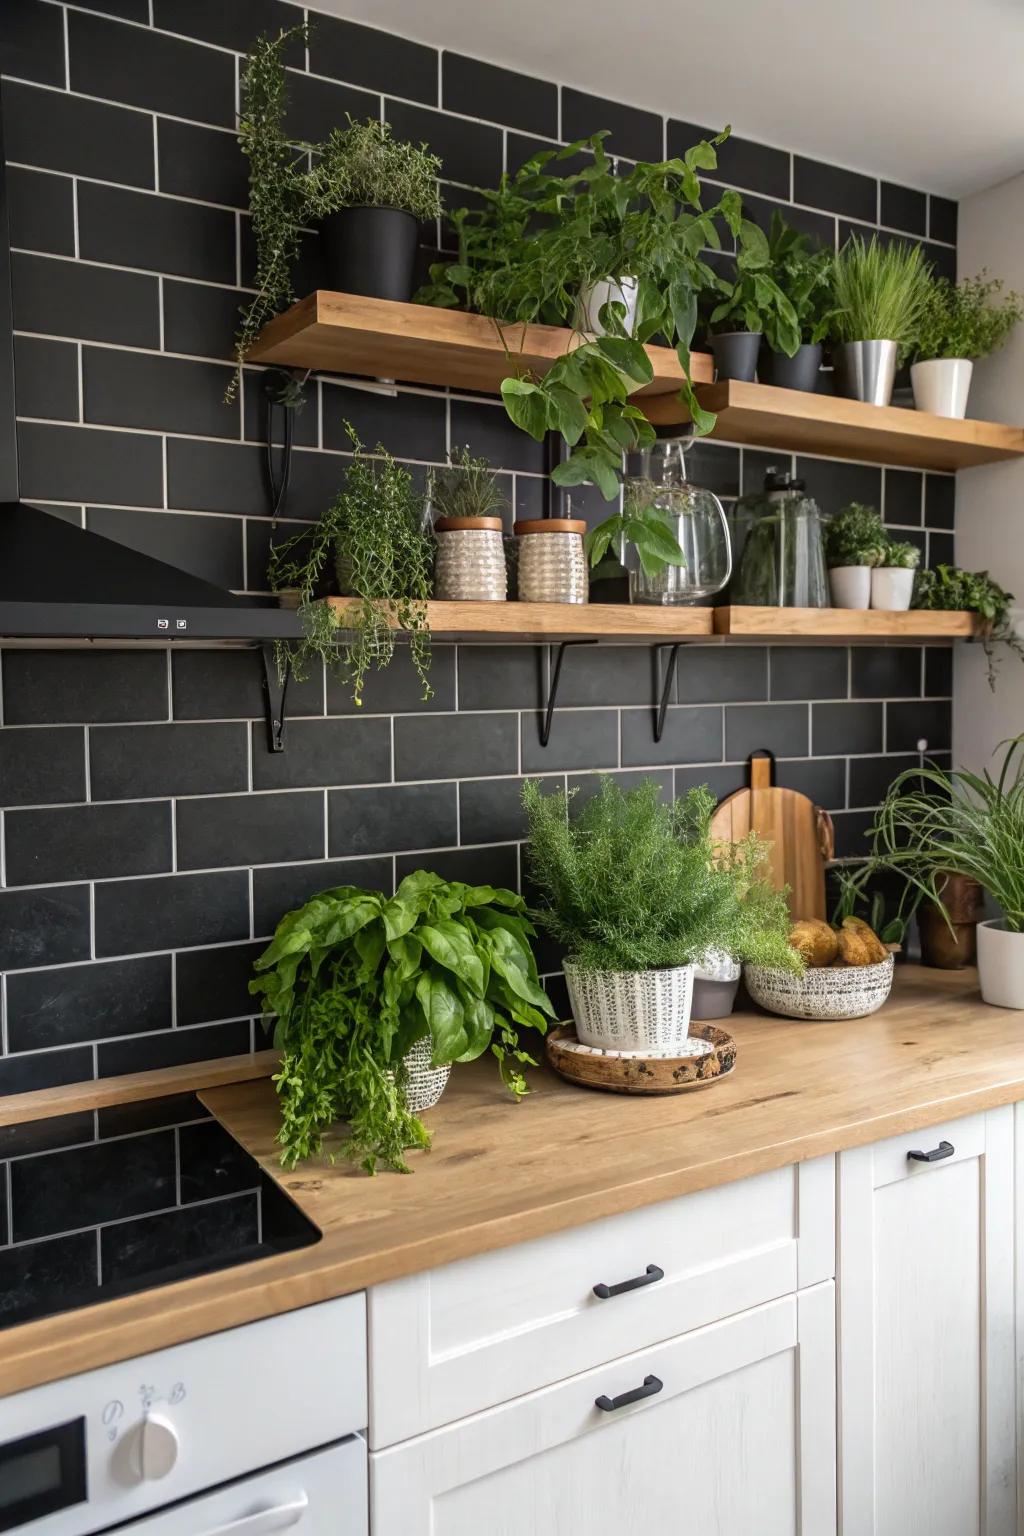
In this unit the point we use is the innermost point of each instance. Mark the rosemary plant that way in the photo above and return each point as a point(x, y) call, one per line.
point(466, 487)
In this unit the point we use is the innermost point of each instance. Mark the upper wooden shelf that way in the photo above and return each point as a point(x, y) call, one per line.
point(344, 333)
point(842, 624)
point(761, 415)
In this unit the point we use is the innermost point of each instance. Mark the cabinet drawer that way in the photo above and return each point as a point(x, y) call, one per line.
point(734, 1433)
point(891, 1159)
point(472, 1334)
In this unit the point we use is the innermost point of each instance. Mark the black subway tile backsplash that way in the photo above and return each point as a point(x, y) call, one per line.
point(173, 1047)
point(939, 501)
point(74, 1003)
point(228, 23)
point(880, 671)
point(123, 228)
point(47, 378)
point(809, 672)
point(87, 842)
point(409, 426)
point(908, 724)
point(42, 766)
point(35, 1273)
point(632, 132)
point(397, 689)
point(279, 888)
point(580, 738)
point(846, 728)
point(942, 212)
point(226, 685)
point(849, 193)
point(823, 780)
point(172, 394)
point(375, 60)
point(32, 42)
point(509, 677)
point(83, 687)
point(149, 69)
point(392, 817)
point(778, 728)
point(491, 808)
point(171, 913)
point(338, 751)
point(498, 95)
point(455, 746)
point(903, 496)
point(89, 464)
point(44, 927)
point(692, 735)
point(70, 298)
point(904, 209)
point(141, 762)
point(938, 671)
point(58, 132)
point(742, 163)
point(249, 829)
point(721, 675)
point(40, 211)
point(212, 984)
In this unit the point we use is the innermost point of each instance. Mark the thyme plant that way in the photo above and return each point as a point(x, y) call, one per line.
point(965, 319)
point(466, 487)
point(364, 166)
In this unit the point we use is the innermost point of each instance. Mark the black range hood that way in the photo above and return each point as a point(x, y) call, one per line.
point(60, 581)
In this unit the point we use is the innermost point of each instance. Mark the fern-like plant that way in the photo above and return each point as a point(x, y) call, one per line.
point(466, 487)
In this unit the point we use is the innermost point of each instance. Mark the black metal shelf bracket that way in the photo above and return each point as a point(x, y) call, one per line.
point(666, 686)
point(544, 727)
point(272, 679)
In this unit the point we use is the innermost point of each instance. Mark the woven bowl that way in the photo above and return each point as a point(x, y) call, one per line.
point(822, 992)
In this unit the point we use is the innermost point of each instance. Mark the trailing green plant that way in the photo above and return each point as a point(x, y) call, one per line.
point(880, 292)
point(628, 883)
point(466, 487)
point(902, 556)
point(354, 978)
point(948, 588)
point(933, 823)
point(641, 523)
point(965, 319)
point(539, 238)
point(365, 166)
point(855, 536)
point(752, 299)
point(374, 532)
point(803, 272)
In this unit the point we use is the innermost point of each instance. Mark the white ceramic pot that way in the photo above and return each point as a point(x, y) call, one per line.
point(425, 1083)
point(595, 296)
point(822, 992)
point(643, 1011)
point(892, 587)
point(850, 586)
point(1001, 964)
point(942, 385)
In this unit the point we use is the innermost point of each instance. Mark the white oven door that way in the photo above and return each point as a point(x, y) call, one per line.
point(319, 1495)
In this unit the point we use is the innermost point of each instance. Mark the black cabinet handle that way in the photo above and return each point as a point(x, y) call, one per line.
point(649, 1277)
point(651, 1387)
point(944, 1149)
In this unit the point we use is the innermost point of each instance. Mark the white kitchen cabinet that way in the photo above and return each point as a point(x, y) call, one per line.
point(736, 1438)
point(927, 1391)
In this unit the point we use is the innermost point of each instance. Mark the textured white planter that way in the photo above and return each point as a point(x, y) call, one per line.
point(892, 587)
point(631, 1010)
point(425, 1084)
point(1001, 965)
point(595, 296)
point(942, 385)
point(850, 586)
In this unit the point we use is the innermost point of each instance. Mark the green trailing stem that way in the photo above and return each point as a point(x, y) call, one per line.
point(947, 588)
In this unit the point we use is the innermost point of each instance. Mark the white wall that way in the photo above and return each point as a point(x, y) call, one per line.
point(990, 500)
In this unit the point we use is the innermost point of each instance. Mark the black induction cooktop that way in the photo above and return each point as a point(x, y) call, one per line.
point(113, 1201)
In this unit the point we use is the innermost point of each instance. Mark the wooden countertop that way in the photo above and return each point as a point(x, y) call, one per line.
point(502, 1173)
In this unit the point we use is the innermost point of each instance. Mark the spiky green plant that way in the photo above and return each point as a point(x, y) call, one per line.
point(466, 487)
point(880, 291)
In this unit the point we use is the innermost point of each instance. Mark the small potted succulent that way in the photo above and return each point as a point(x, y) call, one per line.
point(879, 292)
point(803, 271)
point(959, 322)
point(855, 542)
point(752, 304)
point(892, 579)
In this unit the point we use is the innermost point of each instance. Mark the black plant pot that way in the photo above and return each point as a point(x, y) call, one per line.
point(797, 372)
point(735, 354)
point(370, 251)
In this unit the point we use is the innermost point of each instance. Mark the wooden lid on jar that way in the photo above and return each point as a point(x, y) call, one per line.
point(551, 525)
point(468, 524)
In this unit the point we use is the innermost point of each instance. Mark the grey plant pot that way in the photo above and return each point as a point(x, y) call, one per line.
point(713, 999)
point(797, 372)
point(735, 354)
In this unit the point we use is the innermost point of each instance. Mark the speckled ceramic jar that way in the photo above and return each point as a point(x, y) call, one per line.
point(552, 562)
point(469, 566)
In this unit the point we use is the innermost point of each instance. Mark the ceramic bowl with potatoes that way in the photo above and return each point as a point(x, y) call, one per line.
point(848, 973)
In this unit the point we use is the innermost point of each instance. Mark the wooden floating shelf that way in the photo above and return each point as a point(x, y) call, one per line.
point(651, 625)
point(345, 333)
point(766, 417)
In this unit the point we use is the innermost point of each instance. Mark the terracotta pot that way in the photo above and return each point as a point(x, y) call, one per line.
point(964, 900)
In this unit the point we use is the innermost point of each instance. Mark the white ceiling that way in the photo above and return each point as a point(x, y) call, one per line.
point(929, 93)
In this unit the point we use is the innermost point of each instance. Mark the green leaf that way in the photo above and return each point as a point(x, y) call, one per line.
point(508, 959)
point(660, 539)
point(406, 954)
point(443, 1012)
point(628, 357)
point(570, 412)
point(598, 540)
point(526, 406)
point(450, 945)
point(478, 1022)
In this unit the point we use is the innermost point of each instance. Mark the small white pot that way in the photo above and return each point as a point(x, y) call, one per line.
point(631, 1010)
point(850, 586)
point(1001, 965)
point(942, 385)
point(595, 296)
point(425, 1083)
point(892, 587)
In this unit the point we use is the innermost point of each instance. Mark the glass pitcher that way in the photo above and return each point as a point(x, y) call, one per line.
point(778, 532)
point(695, 517)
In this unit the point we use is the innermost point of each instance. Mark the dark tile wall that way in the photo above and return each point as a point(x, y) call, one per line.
point(149, 842)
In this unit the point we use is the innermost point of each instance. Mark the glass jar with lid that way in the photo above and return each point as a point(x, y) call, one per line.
point(657, 486)
point(777, 537)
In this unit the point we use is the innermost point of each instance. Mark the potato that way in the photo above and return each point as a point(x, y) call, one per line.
point(859, 944)
point(815, 940)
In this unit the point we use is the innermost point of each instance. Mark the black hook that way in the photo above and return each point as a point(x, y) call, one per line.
point(544, 728)
point(275, 718)
point(666, 688)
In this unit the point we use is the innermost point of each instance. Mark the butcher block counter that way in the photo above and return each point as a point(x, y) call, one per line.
point(501, 1173)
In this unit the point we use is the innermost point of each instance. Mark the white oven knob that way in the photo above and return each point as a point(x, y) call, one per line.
point(158, 1445)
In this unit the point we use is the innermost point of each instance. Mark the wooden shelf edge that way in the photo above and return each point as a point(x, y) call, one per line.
point(550, 621)
point(843, 623)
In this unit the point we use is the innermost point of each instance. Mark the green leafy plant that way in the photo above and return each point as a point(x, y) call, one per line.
point(803, 273)
point(752, 299)
point(880, 292)
point(375, 533)
point(641, 523)
point(354, 978)
point(860, 895)
point(631, 884)
point(855, 536)
point(965, 319)
point(539, 238)
point(365, 166)
point(466, 487)
point(950, 589)
point(905, 557)
point(933, 823)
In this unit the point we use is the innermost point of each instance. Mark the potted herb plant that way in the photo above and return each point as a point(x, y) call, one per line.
point(374, 997)
point(933, 824)
point(752, 303)
point(959, 322)
point(880, 293)
point(374, 533)
point(467, 503)
point(539, 247)
point(855, 542)
point(892, 579)
point(802, 271)
point(630, 887)
point(951, 589)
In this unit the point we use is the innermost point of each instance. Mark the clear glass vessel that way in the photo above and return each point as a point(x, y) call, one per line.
point(777, 534)
point(695, 517)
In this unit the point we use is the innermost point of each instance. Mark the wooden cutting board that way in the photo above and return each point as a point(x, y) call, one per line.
point(800, 834)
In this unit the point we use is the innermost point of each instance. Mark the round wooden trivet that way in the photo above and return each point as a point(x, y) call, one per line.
point(643, 1074)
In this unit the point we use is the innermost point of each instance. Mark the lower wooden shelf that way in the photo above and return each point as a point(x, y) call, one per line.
point(850, 624)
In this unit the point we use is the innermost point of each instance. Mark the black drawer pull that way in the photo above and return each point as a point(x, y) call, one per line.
point(649, 1277)
point(944, 1149)
point(651, 1387)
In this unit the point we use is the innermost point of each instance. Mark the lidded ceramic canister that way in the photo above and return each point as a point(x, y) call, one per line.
point(552, 561)
point(469, 564)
